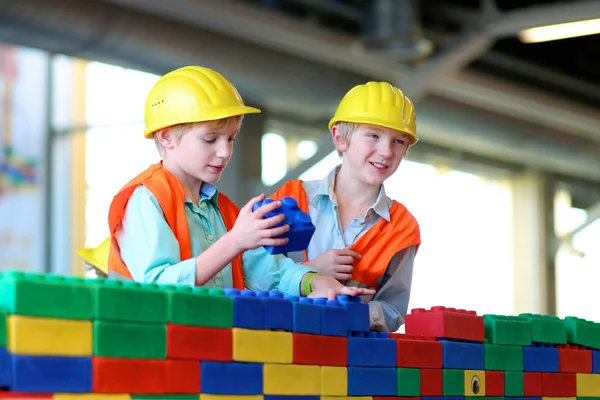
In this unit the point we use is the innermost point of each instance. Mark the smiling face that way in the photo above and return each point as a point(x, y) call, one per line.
point(202, 152)
point(372, 153)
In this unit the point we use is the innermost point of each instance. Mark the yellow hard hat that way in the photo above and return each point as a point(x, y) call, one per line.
point(378, 103)
point(97, 257)
point(192, 94)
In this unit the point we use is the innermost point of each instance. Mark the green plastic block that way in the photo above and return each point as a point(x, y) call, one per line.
point(514, 383)
point(130, 301)
point(409, 382)
point(130, 340)
point(46, 295)
point(453, 382)
point(503, 358)
point(199, 306)
point(2, 328)
point(582, 332)
point(165, 397)
point(546, 329)
point(500, 329)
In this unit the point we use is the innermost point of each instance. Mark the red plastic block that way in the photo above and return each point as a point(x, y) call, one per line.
point(320, 350)
point(532, 384)
point(128, 375)
point(19, 395)
point(574, 358)
point(199, 343)
point(559, 384)
point(418, 351)
point(183, 376)
point(494, 383)
point(447, 323)
point(432, 382)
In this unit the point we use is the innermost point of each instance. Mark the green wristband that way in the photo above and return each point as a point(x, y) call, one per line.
point(309, 278)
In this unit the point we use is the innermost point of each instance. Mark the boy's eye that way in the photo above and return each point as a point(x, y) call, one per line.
point(209, 140)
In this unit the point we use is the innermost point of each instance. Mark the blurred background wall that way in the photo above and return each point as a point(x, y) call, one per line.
point(505, 181)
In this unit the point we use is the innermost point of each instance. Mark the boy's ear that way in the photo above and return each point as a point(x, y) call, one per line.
point(165, 138)
point(341, 143)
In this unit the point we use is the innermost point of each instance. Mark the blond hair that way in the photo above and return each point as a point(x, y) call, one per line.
point(177, 131)
point(346, 129)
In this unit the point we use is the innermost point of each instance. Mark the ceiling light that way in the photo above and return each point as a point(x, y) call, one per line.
point(560, 31)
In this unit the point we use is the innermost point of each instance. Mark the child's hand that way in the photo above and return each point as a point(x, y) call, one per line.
point(337, 263)
point(326, 286)
point(251, 230)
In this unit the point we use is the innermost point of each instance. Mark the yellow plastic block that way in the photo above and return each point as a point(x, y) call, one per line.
point(559, 398)
point(334, 381)
point(349, 398)
point(474, 383)
point(588, 385)
point(262, 346)
point(228, 397)
point(291, 380)
point(48, 336)
point(99, 396)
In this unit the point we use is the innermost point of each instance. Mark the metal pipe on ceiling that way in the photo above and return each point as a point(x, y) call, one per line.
point(283, 84)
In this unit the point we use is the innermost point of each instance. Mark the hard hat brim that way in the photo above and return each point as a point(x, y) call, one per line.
point(374, 121)
point(89, 256)
point(205, 117)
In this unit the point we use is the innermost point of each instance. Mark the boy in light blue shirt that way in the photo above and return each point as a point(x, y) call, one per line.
point(170, 224)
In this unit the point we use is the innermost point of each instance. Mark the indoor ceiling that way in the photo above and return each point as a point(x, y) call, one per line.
point(482, 94)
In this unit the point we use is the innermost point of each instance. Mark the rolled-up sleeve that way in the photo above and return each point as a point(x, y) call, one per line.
point(148, 246)
point(390, 304)
point(263, 271)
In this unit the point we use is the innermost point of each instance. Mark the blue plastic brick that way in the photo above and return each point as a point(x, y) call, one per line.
point(596, 361)
point(45, 374)
point(540, 358)
point(4, 368)
point(372, 381)
point(278, 311)
point(357, 313)
point(232, 378)
point(307, 314)
point(248, 309)
point(371, 351)
point(463, 355)
point(301, 227)
point(335, 319)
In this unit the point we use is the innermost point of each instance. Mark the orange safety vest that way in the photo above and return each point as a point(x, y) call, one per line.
point(378, 245)
point(171, 197)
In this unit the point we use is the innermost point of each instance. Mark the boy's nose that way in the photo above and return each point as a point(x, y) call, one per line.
point(385, 150)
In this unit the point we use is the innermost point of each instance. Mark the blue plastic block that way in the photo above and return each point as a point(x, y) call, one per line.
point(463, 355)
point(372, 381)
point(301, 227)
point(596, 361)
point(4, 368)
point(357, 313)
point(371, 351)
point(540, 357)
point(248, 309)
point(307, 314)
point(231, 378)
point(278, 311)
point(46, 374)
point(335, 319)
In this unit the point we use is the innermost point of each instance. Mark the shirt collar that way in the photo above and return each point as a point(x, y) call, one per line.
point(208, 192)
point(325, 188)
